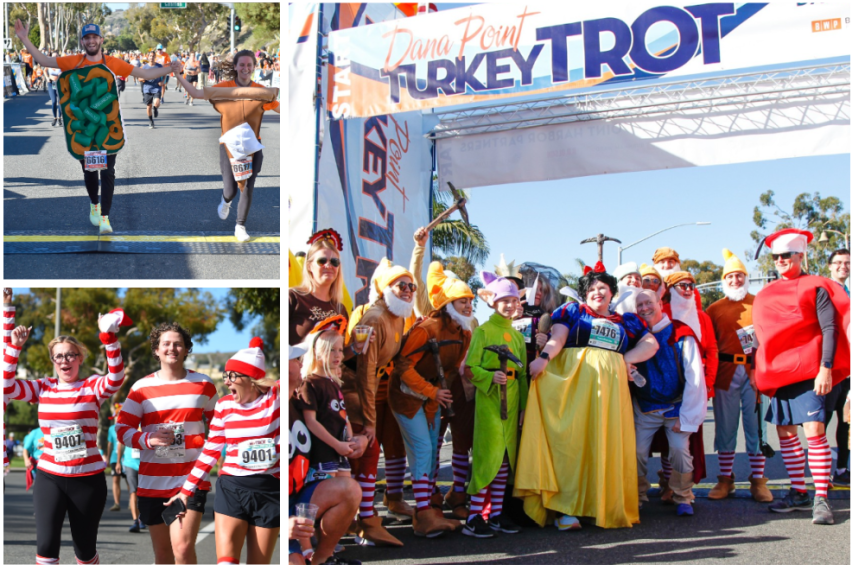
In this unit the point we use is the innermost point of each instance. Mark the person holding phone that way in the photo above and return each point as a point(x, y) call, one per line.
point(169, 405)
point(248, 491)
point(70, 471)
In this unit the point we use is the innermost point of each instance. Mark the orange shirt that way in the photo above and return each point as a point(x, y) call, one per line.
point(118, 66)
point(27, 58)
point(231, 84)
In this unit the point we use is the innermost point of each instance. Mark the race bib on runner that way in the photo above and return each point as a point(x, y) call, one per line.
point(524, 326)
point(177, 449)
point(135, 453)
point(95, 160)
point(68, 443)
point(604, 334)
point(748, 339)
point(258, 454)
point(242, 168)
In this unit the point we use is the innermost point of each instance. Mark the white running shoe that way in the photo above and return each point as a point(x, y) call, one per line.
point(241, 234)
point(95, 214)
point(105, 227)
point(224, 209)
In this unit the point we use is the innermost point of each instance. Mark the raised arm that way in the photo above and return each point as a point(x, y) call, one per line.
point(22, 32)
point(150, 73)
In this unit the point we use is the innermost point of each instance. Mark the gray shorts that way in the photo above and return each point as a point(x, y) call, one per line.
point(132, 478)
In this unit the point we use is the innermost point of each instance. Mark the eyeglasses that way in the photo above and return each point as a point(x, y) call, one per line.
point(332, 260)
point(402, 285)
point(231, 376)
point(785, 255)
point(58, 358)
point(685, 286)
point(651, 281)
point(839, 263)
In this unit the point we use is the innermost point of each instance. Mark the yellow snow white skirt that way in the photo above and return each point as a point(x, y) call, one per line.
point(577, 454)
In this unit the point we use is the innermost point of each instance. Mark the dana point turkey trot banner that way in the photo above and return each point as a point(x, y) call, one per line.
point(487, 52)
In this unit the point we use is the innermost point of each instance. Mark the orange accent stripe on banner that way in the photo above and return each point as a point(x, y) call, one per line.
point(347, 14)
point(306, 30)
point(407, 8)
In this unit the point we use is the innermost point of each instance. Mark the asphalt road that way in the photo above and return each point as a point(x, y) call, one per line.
point(115, 544)
point(734, 531)
point(167, 179)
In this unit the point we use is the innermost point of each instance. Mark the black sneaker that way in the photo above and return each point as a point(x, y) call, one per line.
point(334, 559)
point(793, 501)
point(822, 512)
point(477, 527)
point(503, 524)
point(841, 479)
point(156, 112)
point(135, 527)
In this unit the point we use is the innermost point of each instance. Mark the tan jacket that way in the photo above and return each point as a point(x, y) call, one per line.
point(422, 306)
point(359, 389)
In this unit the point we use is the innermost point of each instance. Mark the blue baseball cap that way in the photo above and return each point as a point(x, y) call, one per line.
point(91, 29)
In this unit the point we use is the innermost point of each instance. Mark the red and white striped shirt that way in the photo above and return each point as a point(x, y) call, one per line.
point(8, 326)
point(244, 428)
point(153, 402)
point(67, 405)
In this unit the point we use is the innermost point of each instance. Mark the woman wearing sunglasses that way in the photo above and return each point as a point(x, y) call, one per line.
point(70, 474)
point(248, 491)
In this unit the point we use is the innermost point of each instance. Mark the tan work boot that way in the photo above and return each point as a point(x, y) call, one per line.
point(456, 502)
point(397, 506)
point(723, 489)
point(372, 532)
point(429, 523)
point(666, 493)
point(759, 491)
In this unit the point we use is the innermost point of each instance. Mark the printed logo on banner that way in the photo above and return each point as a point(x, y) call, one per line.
point(826, 25)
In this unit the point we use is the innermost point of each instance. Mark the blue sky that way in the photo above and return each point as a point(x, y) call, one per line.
point(226, 338)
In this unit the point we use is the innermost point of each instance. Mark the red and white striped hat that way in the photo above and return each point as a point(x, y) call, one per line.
point(250, 362)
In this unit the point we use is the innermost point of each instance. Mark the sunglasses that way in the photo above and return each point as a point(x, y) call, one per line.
point(785, 255)
point(333, 261)
point(651, 280)
point(686, 286)
point(402, 285)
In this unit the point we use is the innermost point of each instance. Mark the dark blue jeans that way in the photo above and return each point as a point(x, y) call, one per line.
point(54, 97)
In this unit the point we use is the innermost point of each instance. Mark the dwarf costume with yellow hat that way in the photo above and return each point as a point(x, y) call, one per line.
point(365, 392)
point(415, 384)
point(646, 270)
point(801, 323)
point(732, 324)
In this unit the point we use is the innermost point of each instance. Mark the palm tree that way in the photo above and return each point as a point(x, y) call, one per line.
point(454, 237)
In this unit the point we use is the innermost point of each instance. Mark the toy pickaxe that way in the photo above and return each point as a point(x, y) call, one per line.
point(434, 346)
point(600, 239)
point(504, 354)
point(458, 204)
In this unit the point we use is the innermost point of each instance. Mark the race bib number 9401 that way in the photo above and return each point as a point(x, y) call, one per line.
point(259, 454)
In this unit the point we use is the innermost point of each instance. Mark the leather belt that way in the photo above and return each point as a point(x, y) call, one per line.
point(739, 359)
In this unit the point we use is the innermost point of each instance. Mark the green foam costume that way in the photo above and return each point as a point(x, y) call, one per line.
point(89, 103)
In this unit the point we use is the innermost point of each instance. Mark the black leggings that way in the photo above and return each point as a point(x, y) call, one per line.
point(231, 188)
point(107, 184)
point(83, 498)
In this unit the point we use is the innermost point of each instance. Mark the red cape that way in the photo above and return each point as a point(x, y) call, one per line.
point(789, 336)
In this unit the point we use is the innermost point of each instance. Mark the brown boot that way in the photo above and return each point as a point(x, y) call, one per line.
point(666, 493)
point(429, 523)
point(371, 530)
point(437, 500)
point(723, 489)
point(759, 491)
point(353, 527)
point(397, 506)
point(456, 501)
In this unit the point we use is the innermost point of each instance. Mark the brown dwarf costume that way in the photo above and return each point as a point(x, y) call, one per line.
point(366, 397)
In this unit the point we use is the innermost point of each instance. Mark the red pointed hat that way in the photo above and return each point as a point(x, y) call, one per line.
point(125, 320)
point(599, 268)
point(329, 234)
point(250, 362)
point(789, 240)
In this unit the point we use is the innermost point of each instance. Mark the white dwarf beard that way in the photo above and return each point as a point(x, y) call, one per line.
point(666, 272)
point(686, 311)
point(464, 321)
point(628, 304)
point(397, 306)
point(735, 295)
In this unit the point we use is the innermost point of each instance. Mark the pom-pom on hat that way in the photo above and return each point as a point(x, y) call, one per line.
point(677, 277)
point(496, 288)
point(665, 253)
point(646, 269)
point(732, 263)
point(789, 240)
point(444, 289)
point(385, 274)
point(626, 269)
point(251, 361)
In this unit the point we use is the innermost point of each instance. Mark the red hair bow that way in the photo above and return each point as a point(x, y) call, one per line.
point(328, 234)
point(599, 268)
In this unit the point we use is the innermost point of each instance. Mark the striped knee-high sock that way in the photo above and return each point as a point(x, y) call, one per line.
point(422, 491)
point(460, 470)
point(43, 560)
point(95, 560)
point(498, 488)
point(667, 466)
point(758, 463)
point(794, 461)
point(726, 463)
point(368, 491)
point(477, 503)
point(819, 461)
point(395, 474)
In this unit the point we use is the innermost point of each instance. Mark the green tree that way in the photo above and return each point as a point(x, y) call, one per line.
point(454, 237)
point(263, 21)
point(261, 307)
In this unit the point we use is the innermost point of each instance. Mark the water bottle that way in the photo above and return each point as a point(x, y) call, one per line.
point(638, 378)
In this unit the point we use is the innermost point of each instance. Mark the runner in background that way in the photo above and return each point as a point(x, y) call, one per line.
point(128, 465)
point(191, 74)
point(152, 91)
point(33, 449)
point(114, 462)
point(53, 93)
point(163, 59)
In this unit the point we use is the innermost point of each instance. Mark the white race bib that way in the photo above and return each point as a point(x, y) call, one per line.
point(68, 443)
point(242, 168)
point(95, 160)
point(135, 453)
point(748, 340)
point(604, 334)
point(177, 449)
point(259, 454)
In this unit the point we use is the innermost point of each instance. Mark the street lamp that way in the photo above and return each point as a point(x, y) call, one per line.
point(621, 249)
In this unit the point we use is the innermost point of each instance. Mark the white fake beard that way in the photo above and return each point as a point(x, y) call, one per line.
point(464, 321)
point(666, 272)
point(628, 304)
point(735, 295)
point(686, 311)
point(397, 306)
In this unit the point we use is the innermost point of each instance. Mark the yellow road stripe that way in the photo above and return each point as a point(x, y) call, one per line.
point(698, 486)
point(164, 239)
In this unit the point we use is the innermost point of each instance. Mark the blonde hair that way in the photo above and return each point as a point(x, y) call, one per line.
point(308, 285)
point(81, 349)
point(319, 354)
point(263, 384)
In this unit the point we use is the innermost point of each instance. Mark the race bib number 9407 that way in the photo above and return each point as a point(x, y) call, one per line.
point(68, 443)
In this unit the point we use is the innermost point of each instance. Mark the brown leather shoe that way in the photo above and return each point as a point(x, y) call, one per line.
point(397, 506)
point(456, 501)
point(371, 530)
point(723, 489)
point(759, 491)
point(437, 500)
point(429, 523)
point(666, 493)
